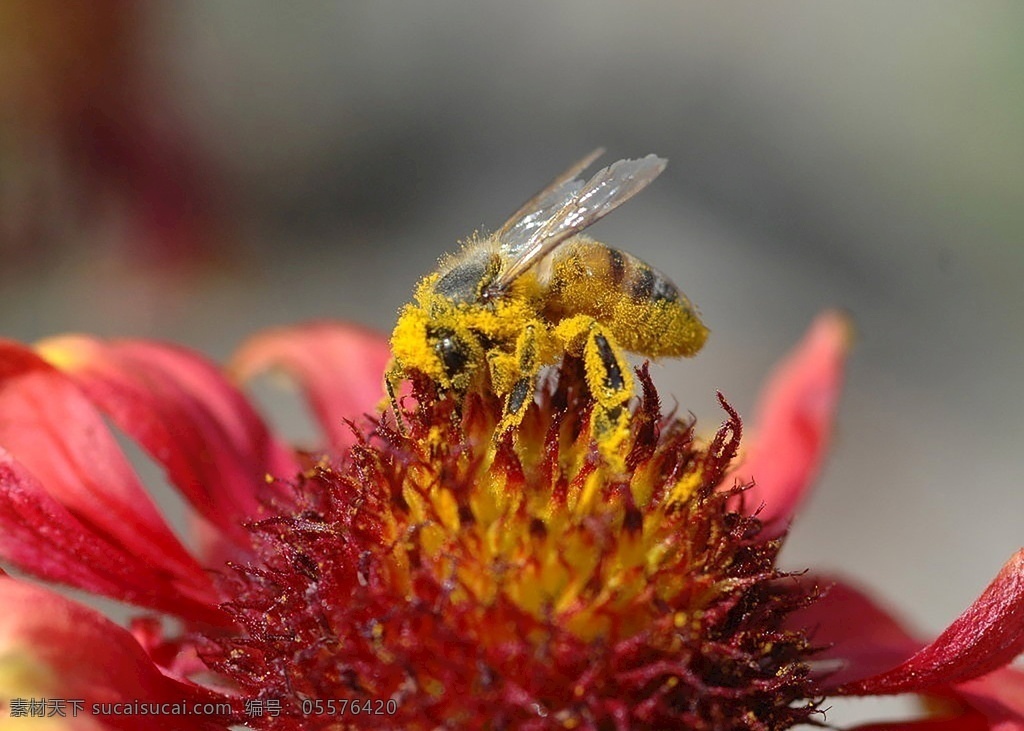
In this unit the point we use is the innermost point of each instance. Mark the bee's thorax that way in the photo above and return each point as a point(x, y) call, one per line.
point(468, 276)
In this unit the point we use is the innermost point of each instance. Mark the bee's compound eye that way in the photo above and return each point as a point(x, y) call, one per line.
point(452, 351)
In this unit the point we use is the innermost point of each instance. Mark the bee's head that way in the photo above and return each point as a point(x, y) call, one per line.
point(438, 345)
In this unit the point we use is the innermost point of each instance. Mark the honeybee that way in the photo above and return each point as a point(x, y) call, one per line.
point(509, 304)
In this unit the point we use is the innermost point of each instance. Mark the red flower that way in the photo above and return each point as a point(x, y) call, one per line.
point(445, 575)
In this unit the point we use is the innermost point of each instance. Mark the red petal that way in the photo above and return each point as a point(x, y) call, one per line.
point(971, 721)
point(794, 421)
point(858, 636)
point(186, 415)
point(340, 368)
point(57, 649)
point(999, 696)
point(54, 432)
point(41, 536)
point(987, 636)
point(867, 641)
point(995, 702)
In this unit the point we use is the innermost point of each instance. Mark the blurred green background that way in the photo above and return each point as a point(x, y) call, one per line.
point(200, 170)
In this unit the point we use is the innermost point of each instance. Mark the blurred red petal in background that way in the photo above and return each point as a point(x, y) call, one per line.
point(94, 157)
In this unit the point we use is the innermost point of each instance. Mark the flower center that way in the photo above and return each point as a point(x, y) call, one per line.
point(480, 579)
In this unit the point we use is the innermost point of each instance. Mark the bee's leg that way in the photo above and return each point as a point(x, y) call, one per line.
point(611, 383)
point(392, 377)
point(503, 370)
point(608, 376)
point(519, 383)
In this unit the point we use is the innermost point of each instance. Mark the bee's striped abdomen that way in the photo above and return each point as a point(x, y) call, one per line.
point(642, 308)
point(648, 284)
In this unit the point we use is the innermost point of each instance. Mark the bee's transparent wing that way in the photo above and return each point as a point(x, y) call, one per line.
point(533, 214)
point(582, 204)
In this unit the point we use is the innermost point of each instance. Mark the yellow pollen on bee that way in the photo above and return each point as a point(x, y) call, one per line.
point(409, 343)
